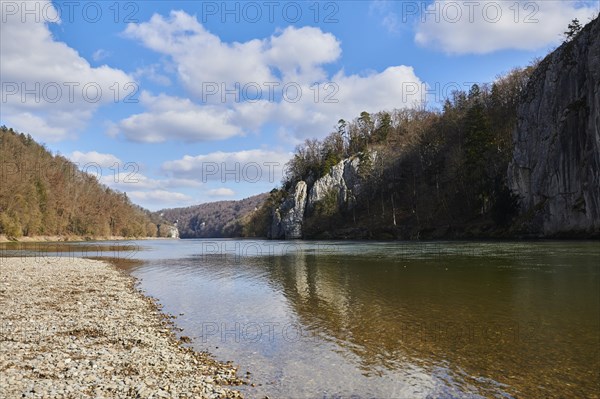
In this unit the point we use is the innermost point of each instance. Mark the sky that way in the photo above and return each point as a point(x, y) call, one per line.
point(179, 103)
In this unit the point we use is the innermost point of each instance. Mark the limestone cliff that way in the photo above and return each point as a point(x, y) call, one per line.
point(556, 160)
point(343, 180)
point(287, 219)
point(173, 232)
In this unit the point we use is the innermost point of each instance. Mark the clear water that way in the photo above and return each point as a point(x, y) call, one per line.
point(381, 319)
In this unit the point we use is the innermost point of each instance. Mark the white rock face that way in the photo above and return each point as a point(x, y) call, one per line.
point(173, 232)
point(343, 178)
point(288, 218)
point(292, 220)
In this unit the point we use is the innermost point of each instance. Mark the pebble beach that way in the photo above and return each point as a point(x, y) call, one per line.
point(79, 328)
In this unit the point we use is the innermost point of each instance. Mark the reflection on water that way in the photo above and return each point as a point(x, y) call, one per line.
point(404, 320)
point(49, 251)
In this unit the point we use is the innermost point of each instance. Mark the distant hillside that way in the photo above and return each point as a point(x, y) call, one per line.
point(46, 195)
point(215, 219)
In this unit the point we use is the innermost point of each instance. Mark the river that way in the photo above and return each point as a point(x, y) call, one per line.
point(334, 319)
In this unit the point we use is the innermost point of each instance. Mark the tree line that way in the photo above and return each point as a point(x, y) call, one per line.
point(436, 172)
point(215, 219)
point(42, 194)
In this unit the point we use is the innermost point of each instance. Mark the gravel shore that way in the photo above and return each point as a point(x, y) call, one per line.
point(78, 328)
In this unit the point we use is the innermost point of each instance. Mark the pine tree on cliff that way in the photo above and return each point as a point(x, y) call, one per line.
point(573, 29)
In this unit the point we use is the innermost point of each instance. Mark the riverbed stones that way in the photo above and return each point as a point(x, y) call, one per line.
point(78, 328)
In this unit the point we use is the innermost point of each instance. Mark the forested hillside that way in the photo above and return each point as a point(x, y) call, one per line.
point(420, 173)
point(46, 195)
point(517, 157)
point(215, 219)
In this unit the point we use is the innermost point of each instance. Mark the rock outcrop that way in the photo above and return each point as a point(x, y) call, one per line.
point(343, 179)
point(287, 219)
point(173, 232)
point(556, 161)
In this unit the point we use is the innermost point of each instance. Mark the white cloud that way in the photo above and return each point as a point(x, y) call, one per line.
point(253, 115)
point(160, 198)
point(132, 179)
point(249, 166)
point(292, 58)
point(152, 73)
point(487, 26)
point(100, 54)
point(390, 23)
point(175, 118)
point(103, 160)
point(148, 192)
point(174, 182)
point(389, 19)
point(221, 192)
point(395, 87)
point(34, 125)
point(178, 118)
point(200, 55)
point(65, 84)
point(299, 53)
point(111, 129)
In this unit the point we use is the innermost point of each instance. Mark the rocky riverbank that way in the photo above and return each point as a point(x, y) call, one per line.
point(74, 238)
point(76, 328)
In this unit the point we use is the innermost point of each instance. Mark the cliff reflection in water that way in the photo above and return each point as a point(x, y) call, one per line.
point(399, 320)
point(504, 323)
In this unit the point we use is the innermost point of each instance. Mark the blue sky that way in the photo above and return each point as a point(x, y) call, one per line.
point(183, 102)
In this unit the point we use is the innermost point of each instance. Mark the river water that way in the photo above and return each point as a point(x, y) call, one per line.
point(383, 319)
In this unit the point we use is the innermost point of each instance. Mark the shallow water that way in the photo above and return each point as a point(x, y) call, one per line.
point(369, 319)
